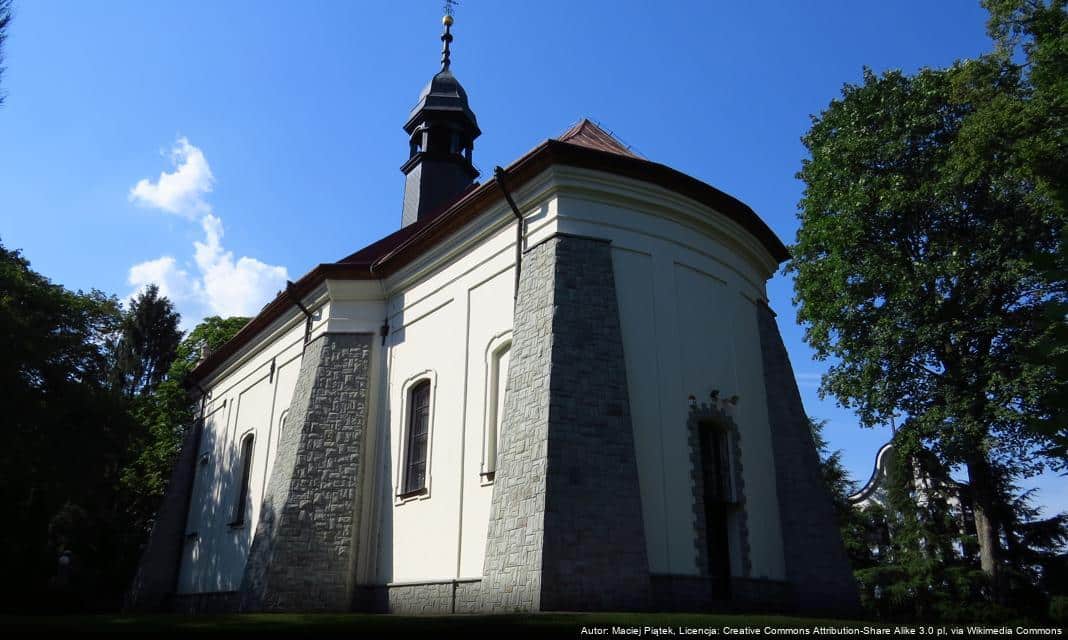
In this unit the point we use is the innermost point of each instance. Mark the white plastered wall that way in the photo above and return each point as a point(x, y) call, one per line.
point(686, 279)
point(446, 313)
point(245, 396)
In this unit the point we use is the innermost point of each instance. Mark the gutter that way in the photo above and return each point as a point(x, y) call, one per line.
point(290, 291)
point(499, 174)
point(479, 197)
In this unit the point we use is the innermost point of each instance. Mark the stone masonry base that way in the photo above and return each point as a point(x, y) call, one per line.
point(303, 554)
point(420, 598)
point(671, 593)
point(816, 560)
point(697, 594)
point(557, 541)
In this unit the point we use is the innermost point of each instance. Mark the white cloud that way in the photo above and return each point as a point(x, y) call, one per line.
point(229, 287)
point(173, 281)
point(215, 283)
point(181, 191)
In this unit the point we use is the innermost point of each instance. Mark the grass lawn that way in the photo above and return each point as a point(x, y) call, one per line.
point(375, 626)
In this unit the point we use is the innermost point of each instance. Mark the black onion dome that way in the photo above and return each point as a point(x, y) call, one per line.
point(445, 95)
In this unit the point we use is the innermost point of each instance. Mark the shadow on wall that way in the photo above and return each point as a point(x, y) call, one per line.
point(216, 544)
point(381, 525)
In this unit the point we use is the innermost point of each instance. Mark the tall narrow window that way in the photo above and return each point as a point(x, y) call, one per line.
point(498, 382)
point(240, 507)
point(418, 427)
point(717, 489)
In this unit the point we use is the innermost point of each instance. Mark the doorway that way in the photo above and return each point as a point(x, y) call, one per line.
point(715, 469)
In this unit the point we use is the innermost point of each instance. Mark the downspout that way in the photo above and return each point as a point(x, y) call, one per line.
point(499, 174)
point(296, 300)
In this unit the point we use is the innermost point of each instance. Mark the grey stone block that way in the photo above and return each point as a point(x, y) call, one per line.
point(303, 554)
point(433, 598)
point(566, 530)
point(816, 562)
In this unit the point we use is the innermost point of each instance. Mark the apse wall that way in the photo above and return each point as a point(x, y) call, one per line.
point(687, 282)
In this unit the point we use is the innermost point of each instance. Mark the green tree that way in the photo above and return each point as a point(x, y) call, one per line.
point(165, 415)
point(1039, 32)
point(924, 223)
point(5, 20)
point(1034, 548)
point(64, 435)
point(923, 569)
point(147, 345)
point(91, 428)
point(857, 526)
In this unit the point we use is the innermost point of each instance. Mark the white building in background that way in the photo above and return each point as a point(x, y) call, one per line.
point(514, 402)
point(930, 483)
point(874, 490)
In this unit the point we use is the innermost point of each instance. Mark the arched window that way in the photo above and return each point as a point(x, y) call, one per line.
point(282, 425)
point(418, 432)
point(241, 506)
point(496, 385)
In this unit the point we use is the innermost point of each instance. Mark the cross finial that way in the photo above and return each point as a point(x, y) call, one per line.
point(446, 38)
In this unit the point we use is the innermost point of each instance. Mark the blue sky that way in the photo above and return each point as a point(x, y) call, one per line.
point(286, 121)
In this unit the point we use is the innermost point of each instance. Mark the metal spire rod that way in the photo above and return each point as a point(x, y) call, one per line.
point(446, 38)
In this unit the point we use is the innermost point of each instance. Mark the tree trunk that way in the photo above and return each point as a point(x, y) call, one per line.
point(980, 478)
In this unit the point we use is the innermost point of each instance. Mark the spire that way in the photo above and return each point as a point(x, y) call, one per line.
point(441, 132)
point(446, 38)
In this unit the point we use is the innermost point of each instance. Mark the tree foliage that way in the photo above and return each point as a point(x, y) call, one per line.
point(147, 345)
point(95, 411)
point(1039, 32)
point(65, 433)
point(925, 564)
point(914, 260)
point(857, 527)
point(5, 21)
point(166, 414)
point(933, 210)
point(925, 567)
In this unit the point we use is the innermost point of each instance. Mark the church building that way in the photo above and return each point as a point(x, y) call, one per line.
point(560, 388)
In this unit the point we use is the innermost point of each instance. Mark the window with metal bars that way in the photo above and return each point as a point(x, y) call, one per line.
point(418, 432)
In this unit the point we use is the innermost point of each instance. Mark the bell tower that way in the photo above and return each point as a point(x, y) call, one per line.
point(441, 135)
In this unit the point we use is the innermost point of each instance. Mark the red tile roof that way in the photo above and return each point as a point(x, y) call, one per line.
point(584, 145)
point(588, 134)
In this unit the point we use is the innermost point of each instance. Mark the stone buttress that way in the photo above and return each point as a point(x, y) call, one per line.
point(817, 566)
point(157, 572)
point(303, 555)
point(565, 530)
